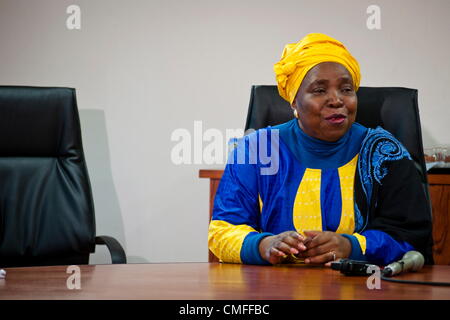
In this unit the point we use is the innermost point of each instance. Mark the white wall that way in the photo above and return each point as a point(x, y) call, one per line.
point(145, 68)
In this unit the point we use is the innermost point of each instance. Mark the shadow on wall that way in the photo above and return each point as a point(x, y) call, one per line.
point(107, 209)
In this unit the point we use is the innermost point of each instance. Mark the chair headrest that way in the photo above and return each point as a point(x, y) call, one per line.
point(34, 122)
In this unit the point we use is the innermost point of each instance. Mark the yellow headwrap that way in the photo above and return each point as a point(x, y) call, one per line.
point(299, 58)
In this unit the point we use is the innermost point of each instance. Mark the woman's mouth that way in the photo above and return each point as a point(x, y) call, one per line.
point(336, 118)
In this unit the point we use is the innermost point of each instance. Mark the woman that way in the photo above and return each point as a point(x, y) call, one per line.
point(341, 190)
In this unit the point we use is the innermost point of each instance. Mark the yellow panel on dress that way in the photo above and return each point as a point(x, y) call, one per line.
point(307, 214)
point(347, 180)
point(225, 240)
point(362, 242)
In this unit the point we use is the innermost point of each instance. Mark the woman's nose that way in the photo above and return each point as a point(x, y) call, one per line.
point(335, 99)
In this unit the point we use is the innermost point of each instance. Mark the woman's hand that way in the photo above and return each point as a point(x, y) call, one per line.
point(325, 247)
point(275, 248)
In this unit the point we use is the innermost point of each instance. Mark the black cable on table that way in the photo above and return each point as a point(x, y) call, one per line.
point(431, 283)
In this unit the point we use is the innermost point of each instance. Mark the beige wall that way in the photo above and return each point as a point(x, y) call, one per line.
point(145, 68)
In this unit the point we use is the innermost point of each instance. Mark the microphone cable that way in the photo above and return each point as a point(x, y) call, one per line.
point(431, 283)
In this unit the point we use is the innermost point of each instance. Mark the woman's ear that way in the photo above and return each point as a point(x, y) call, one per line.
point(294, 108)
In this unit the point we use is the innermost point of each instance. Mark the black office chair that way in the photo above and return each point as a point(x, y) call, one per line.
point(394, 109)
point(46, 207)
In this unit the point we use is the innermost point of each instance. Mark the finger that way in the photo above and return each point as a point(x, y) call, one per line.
point(286, 248)
point(295, 235)
point(276, 255)
point(323, 258)
point(312, 233)
point(274, 251)
point(319, 250)
point(294, 240)
point(336, 259)
point(309, 235)
point(328, 264)
point(307, 240)
point(318, 239)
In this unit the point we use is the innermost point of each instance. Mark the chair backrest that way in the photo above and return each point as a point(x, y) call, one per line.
point(394, 109)
point(46, 207)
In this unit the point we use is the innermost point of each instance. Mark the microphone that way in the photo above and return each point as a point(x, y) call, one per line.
point(411, 261)
point(351, 267)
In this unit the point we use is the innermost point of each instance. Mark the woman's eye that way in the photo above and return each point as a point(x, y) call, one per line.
point(347, 90)
point(319, 90)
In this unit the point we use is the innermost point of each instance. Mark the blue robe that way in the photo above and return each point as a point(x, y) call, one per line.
point(363, 186)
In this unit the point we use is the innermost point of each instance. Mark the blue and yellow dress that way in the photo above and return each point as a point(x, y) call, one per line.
point(364, 186)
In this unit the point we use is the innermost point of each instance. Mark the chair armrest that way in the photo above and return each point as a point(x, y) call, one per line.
point(114, 247)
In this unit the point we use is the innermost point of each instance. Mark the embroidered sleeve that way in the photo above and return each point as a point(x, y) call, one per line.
point(378, 147)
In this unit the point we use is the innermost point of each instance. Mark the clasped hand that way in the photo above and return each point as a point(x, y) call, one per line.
point(318, 247)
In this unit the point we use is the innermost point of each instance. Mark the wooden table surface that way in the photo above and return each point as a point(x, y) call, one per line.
point(213, 281)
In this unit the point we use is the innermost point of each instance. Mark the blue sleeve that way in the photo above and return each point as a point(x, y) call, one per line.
point(381, 249)
point(236, 199)
point(234, 233)
point(250, 248)
point(356, 253)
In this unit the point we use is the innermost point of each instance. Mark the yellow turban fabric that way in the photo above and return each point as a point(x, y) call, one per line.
point(299, 58)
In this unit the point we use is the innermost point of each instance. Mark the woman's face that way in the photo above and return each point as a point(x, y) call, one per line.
point(326, 102)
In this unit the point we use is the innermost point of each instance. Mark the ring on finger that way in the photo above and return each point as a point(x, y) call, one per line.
point(333, 254)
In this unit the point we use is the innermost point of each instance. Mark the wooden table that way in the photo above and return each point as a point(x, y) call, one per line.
point(440, 202)
point(213, 281)
point(439, 186)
